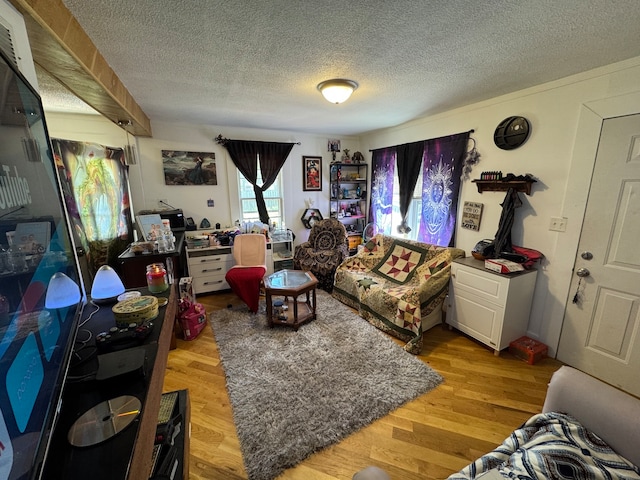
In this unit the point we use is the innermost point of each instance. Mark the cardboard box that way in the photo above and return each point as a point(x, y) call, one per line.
point(502, 266)
point(528, 349)
point(186, 289)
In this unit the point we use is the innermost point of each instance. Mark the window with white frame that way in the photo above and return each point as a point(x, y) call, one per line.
point(415, 208)
point(272, 199)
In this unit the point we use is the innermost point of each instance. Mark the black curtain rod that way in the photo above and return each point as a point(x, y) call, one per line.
point(374, 149)
point(221, 141)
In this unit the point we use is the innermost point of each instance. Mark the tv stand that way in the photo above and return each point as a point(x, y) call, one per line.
point(128, 455)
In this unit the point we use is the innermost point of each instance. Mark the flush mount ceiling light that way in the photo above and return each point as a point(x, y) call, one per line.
point(337, 90)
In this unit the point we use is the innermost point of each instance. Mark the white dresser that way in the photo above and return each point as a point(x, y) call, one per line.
point(491, 307)
point(208, 266)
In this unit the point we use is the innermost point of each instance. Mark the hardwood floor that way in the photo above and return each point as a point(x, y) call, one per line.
point(482, 399)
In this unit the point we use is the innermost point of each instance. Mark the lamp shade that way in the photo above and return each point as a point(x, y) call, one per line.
point(106, 284)
point(61, 292)
point(337, 90)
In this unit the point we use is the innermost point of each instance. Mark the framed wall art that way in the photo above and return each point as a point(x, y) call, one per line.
point(312, 173)
point(333, 146)
point(472, 215)
point(189, 168)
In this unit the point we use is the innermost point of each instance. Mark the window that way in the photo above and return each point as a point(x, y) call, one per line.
point(272, 198)
point(413, 215)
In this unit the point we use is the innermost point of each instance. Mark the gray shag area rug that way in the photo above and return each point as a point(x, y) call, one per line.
point(293, 393)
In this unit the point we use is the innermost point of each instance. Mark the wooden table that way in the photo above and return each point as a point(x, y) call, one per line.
point(291, 283)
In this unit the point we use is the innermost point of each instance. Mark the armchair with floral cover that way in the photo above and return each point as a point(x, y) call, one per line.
point(326, 248)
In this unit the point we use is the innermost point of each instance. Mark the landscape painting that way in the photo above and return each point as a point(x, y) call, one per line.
point(189, 168)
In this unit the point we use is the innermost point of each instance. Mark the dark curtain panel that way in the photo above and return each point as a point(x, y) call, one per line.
point(442, 168)
point(408, 160)
point(272, 155)
point(381, 207)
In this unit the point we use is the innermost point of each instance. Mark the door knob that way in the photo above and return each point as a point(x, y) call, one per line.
point(583, 272)
point(586, 255)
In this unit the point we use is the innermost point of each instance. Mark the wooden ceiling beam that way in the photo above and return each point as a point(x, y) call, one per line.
point(60, 46)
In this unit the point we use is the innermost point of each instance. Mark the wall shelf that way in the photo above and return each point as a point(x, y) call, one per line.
point(503, 186)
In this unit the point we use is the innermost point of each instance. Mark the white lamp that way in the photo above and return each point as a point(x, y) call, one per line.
point(61, 292)
point(337, 90)
point(106, 285)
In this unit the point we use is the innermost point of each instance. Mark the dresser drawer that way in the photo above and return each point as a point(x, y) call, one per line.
point(210, 283)
point(209, 268)
point(490, 286)
point(210, 259)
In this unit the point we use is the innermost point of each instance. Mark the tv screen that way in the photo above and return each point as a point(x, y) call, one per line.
point(35, 341)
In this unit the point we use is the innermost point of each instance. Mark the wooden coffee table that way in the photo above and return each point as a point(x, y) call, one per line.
point(291, 283)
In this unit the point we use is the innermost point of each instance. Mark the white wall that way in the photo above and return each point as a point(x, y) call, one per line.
point(147, 177)
point(553, 110)
point(552, 154)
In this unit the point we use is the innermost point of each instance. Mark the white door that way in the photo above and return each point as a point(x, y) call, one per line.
point(600, 331)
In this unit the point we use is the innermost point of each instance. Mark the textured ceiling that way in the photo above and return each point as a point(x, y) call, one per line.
point(257, 63)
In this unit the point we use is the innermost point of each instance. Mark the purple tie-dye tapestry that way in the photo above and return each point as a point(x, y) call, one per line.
point(441, 170)
point(383, 168)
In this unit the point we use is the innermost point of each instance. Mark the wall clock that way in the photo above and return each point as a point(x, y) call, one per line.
point(511, 133)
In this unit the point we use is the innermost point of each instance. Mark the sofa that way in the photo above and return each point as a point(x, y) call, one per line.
point(587, 429)
point(397, 285)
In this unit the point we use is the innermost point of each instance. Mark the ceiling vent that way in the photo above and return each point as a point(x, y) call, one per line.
point(6, 45)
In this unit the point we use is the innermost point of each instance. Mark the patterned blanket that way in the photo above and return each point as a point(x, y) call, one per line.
point(394, 284)
point(551, 446)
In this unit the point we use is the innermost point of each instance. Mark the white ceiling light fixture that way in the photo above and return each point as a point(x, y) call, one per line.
point(337, 90)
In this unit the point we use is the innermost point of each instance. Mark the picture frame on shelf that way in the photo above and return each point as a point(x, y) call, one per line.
point(311, 173)
point(333, 145)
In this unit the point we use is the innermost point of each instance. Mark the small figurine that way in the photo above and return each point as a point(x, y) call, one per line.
point(357, 157)
point(345, 156)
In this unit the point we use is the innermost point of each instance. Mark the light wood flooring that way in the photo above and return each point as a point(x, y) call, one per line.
point(482, 399)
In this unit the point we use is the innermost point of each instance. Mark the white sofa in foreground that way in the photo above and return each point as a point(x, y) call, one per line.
point(587, 430)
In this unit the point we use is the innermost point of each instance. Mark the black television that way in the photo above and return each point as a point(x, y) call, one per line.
point(36, 342)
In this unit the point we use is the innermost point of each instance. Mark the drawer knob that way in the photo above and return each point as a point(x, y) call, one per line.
point(210, 283)
point(211, 269)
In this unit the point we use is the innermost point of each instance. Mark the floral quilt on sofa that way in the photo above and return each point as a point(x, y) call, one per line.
point(394, 284)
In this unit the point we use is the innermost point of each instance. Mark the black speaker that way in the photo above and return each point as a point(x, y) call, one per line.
point(512, 133)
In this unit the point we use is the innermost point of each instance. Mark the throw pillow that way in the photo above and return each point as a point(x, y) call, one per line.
point(373, 245)
point(400, 263)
